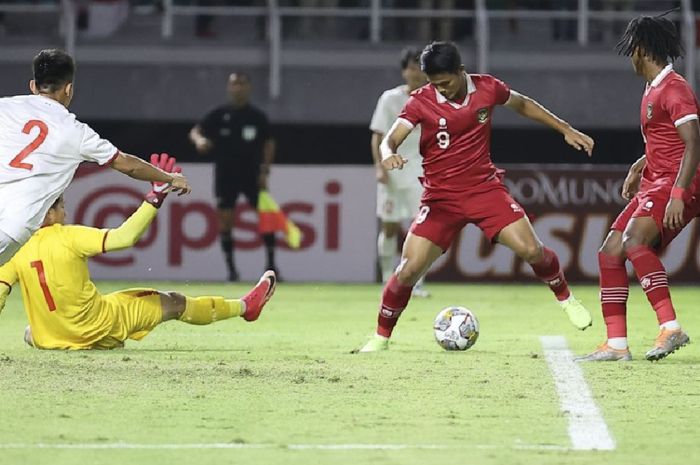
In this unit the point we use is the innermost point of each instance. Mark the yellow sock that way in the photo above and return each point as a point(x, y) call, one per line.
point(205, 310)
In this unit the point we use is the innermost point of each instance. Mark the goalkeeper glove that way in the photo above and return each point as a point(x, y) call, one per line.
point(159, 190)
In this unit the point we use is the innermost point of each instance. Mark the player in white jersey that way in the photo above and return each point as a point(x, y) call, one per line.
point(398, 191)
point(41, 146)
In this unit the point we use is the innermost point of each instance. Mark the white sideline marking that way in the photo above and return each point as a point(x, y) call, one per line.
point(227, 445)
point(587, 428)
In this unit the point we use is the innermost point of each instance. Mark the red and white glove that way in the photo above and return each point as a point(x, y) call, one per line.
point(159, 190)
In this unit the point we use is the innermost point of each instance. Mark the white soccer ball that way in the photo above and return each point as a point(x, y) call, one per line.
point(456, 328)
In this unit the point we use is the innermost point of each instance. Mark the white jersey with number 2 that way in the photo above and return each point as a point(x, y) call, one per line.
point(41, 146)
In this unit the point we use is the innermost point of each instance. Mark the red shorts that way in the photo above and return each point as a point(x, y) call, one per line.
point(652, 203)
point(441, 220)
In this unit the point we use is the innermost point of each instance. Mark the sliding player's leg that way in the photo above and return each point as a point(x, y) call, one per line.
point(207, 310)
point(521, 238)
point(138, 311)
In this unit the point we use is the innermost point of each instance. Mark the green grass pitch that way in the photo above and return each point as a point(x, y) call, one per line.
point(254, 389)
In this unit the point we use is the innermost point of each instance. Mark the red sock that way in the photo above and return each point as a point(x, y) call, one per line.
point(394, 300)
point(548, 270)
point(614, 289)
point(652, 276)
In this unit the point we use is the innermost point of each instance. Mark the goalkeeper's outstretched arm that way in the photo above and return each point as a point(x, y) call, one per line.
point(129, 233)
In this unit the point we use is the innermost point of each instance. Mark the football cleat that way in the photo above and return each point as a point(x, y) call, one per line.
point(256, 299)
point(667, 342)
point(605, 353)
point(376, 343)
point(577, 313)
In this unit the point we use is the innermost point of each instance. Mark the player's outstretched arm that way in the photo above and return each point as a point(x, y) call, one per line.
point(394, 138)
point(532, 109)
point(690, 135)
point(129, 233)
point(136, 168)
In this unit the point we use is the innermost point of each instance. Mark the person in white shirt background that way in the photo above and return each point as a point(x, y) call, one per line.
point(399, 191)
point(41, 146)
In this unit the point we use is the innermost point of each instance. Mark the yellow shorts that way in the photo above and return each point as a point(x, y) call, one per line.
point(135, 313)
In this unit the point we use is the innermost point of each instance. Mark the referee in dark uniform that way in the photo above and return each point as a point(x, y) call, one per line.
point(237, 136)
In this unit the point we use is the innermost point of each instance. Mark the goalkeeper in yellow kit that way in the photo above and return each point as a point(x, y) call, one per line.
point(65, 309)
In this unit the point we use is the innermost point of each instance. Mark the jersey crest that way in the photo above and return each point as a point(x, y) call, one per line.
point(650, 109)
point(482, 115)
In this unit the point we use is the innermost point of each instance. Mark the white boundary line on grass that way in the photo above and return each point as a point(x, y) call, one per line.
point(587, 428)
point(300, 447)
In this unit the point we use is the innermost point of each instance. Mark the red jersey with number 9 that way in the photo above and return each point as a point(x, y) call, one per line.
point(456, 137)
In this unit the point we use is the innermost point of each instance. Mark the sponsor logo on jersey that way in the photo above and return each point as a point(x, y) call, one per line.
point(650, 109)
point(516, 208)
point(482, 115)
point(249, 133)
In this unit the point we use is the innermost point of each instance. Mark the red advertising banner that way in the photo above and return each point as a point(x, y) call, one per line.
point(571, 208)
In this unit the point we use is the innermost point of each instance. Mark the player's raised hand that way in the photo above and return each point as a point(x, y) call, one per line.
point(394, 161)
point(167, 164)
point(673, 218)
point(160, 190)
point(579, 141)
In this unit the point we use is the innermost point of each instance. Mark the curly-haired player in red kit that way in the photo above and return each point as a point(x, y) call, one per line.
point(663, 189)
point(462, 185)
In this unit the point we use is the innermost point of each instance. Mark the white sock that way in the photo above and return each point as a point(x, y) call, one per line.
point(420, 282)
point(379, 336)
point(673, 325)
point(386, 249)
point(619, 343)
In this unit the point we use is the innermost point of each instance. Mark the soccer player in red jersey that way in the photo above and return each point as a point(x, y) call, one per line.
point(662, 187)
point(461, 183)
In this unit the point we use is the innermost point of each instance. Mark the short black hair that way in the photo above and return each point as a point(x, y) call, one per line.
point(440, 57)
point(409, 55)
point(656, 36)
point(52, 70)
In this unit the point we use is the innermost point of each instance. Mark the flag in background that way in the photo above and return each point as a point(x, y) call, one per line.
point(272, 219)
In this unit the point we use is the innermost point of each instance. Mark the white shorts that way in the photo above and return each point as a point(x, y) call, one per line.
point(8, 248)
point(398, 204)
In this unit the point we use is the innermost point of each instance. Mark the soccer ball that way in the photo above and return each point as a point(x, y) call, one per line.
point(456, 328)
